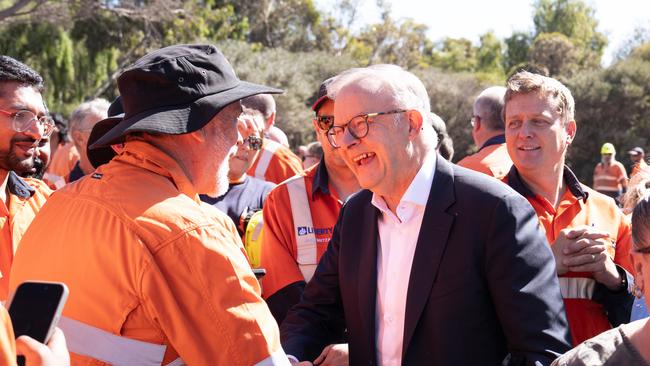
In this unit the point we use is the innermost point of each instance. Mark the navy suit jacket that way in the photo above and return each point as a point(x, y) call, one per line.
point(482, 288)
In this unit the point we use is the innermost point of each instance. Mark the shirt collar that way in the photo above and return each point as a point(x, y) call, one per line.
point(494, 140)
point(147, 156)
point(418, 191)
point(18, 187)
point(321, 179)
point(570, 179)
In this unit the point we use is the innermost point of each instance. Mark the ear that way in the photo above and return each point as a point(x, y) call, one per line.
point(571, 129)
point(271, 120)
point(415, 123)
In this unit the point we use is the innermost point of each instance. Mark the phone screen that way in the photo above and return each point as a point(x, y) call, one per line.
point(34, 307)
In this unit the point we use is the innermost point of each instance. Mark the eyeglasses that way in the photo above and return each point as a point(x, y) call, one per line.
point(254, 142)
point(472, 121)
point(358, 127)
point(324, 122)
point(23, 119)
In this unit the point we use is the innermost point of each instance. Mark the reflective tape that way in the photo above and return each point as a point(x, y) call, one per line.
point(89, 341)
point(269, 149)
point(303, 227)
point(278, 358)
point(577, 287)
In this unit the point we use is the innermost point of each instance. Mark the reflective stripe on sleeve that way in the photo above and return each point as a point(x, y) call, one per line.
point(303, 227)
point(278, 358)
point(577, 287)
point(104, 346)
point(270, 147)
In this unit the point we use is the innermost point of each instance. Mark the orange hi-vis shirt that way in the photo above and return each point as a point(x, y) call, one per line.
point(491, 159)
point(155, 275)
point(25, 198)
point(64, 160)
point(580, 206)
point(7, 342)
point(609, 178)
point(281, 257)
point(275, 163)
point(638, 167)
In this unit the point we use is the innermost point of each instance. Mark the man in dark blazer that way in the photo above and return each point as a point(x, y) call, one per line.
point(430, 264)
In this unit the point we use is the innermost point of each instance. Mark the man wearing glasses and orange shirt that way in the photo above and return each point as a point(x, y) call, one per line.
point(299, 217)
point(24, 122)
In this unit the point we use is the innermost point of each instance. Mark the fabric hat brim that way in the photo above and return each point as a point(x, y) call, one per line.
point(180, 119)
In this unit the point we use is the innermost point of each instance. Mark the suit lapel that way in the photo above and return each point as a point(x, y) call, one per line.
point(367, 262)
point(431, 245)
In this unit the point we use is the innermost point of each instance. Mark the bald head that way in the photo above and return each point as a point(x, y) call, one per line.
point(488, 106)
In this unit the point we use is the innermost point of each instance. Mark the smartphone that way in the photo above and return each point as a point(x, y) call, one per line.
point(35, 309)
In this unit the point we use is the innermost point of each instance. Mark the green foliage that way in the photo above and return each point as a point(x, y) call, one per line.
point(556, 52)
point(611, 105)
point(575, 20)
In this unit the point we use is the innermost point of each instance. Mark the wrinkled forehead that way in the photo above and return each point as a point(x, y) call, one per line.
point(369, 96)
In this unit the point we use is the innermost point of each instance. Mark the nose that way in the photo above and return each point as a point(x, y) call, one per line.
point(526, 129)
point(347, 140)
point(36, 130)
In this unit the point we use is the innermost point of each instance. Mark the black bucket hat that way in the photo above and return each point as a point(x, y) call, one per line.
point(174, 90)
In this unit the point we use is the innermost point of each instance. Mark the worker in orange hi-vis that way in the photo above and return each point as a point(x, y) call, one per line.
point(24, 122)
point(157, 277)
point(637, 155)
point(610, 177)
point(275, 163)
point(488, 133)
point(590, 237)
point(299, 216)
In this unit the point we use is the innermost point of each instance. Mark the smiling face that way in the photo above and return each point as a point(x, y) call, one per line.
point(18, 149)
point(381, 160)
point(536, 137)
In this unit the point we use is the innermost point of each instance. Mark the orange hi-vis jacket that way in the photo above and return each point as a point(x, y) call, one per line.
point(638, 167)
point(7, 342)
point(275, 163)
point(580, 206)
point(299, 217)
point(62, 163)
point(156, 277)
point(609, 178)
point(491, 159)
point(25, 198)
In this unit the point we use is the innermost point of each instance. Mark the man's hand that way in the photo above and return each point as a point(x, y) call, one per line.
point(250, 124)
point(333, 355)
point(38, 354)
point(588, 250)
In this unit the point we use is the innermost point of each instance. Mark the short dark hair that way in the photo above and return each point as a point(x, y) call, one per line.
point(16, 71)
point(641, 223)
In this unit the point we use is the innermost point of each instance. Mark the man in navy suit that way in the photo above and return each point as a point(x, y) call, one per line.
point(430, 264)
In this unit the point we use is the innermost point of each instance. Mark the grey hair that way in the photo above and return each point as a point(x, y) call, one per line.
point(489, 106)
point(264, 103)
point(98, 107)
point(406, 89)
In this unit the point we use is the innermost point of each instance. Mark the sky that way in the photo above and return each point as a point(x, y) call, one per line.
point(471, 18)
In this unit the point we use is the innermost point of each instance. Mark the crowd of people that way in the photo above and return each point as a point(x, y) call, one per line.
point(188, 231)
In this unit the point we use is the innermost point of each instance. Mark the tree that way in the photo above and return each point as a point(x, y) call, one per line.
point(555, 52)
point(575, 20)
point(490, 56)
point(517, 49)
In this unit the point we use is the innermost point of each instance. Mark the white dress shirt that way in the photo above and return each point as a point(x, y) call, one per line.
point(398, 236)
